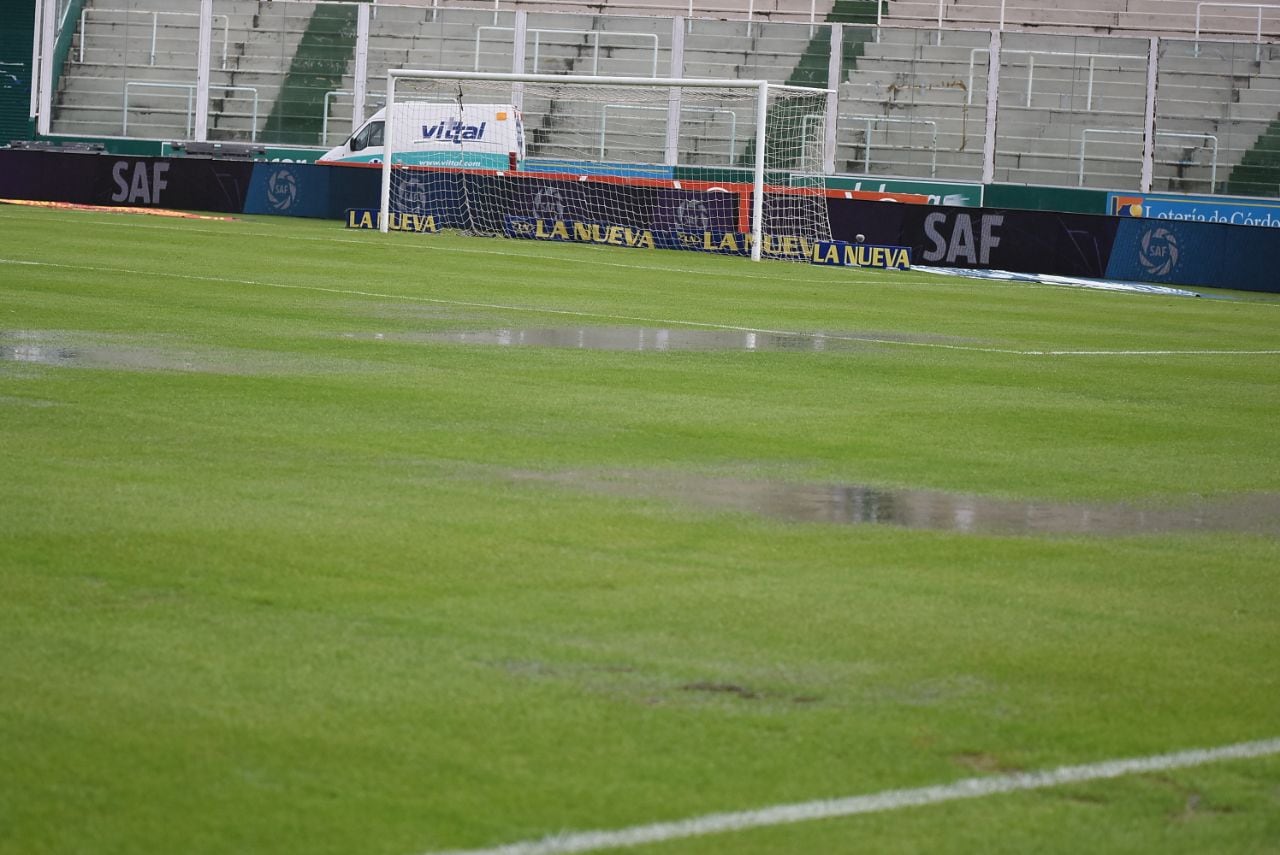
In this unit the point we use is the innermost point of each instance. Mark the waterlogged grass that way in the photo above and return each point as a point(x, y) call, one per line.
point(274, 578)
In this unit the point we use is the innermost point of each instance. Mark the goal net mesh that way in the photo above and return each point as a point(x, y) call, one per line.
point(653, 165)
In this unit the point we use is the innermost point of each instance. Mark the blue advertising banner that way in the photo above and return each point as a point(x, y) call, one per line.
point(1194, 253)
point(288, 189)
point(1196, 209)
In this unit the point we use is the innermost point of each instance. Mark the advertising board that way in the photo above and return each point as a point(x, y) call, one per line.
point(1196, 209)
point(1181, 252)
point(1187, 251)
point(984, 238)
point(934, 192)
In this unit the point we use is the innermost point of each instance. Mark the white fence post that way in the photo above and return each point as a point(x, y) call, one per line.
point(835, 68)
point(37, 28)
point(47, 23)
point(361, 70)
point(993, 104)
point(674, 94)
point(203, 53)
point(1149, 118)
point(519, 35)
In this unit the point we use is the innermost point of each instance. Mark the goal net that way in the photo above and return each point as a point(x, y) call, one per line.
point(732, 167)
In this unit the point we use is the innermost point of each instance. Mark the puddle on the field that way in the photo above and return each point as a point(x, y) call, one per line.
point(35, 403)
point(670, 339)
point(80, 349)
point(66, 351)
point(931, 509)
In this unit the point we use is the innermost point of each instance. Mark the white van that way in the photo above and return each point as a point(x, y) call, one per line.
point(474, 136)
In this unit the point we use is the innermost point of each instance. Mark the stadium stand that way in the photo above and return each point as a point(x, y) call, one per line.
point(913, 97)
point(320, 60)
point(1073, 90)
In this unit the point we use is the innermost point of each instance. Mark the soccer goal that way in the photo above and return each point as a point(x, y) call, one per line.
point(733, 167)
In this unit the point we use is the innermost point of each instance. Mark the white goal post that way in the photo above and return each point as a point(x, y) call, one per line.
point(627, 160)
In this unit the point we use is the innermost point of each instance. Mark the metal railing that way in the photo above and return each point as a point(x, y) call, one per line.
point(1257, 33)
point(191, 103)
point(595, 51)
point(1031, 67)
point(332, 93)
point(880, 9)
point(1211, 138)
point(324, 121)
point(21, 66)
point(690, 9)
point(155, 27)
point(714, 111)
point(868, 121)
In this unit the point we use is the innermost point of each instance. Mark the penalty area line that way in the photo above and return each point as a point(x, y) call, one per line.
point(968, 788)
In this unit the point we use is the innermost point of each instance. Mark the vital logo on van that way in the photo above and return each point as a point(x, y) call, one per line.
point(453, 132)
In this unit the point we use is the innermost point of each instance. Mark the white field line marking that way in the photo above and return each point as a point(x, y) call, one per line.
point(969, 788)
point(351, 292)
point(1151, 352)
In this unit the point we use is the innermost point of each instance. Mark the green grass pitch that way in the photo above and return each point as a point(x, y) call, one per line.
point(284, 570)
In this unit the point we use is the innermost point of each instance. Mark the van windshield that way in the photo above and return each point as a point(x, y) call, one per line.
point(369, 135)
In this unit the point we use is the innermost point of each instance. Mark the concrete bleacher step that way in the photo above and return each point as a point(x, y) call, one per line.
point(897, 145)
point(1050, 17)
point(1264, 82)
point(139, 58)
point(1118, 17)
point(1173, 16)
point(944, 114)
point(89, 114)
point(87, 73)
point(1259, 103)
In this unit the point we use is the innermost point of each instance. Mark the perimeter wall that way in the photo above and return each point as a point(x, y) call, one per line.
point(1164, 251)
